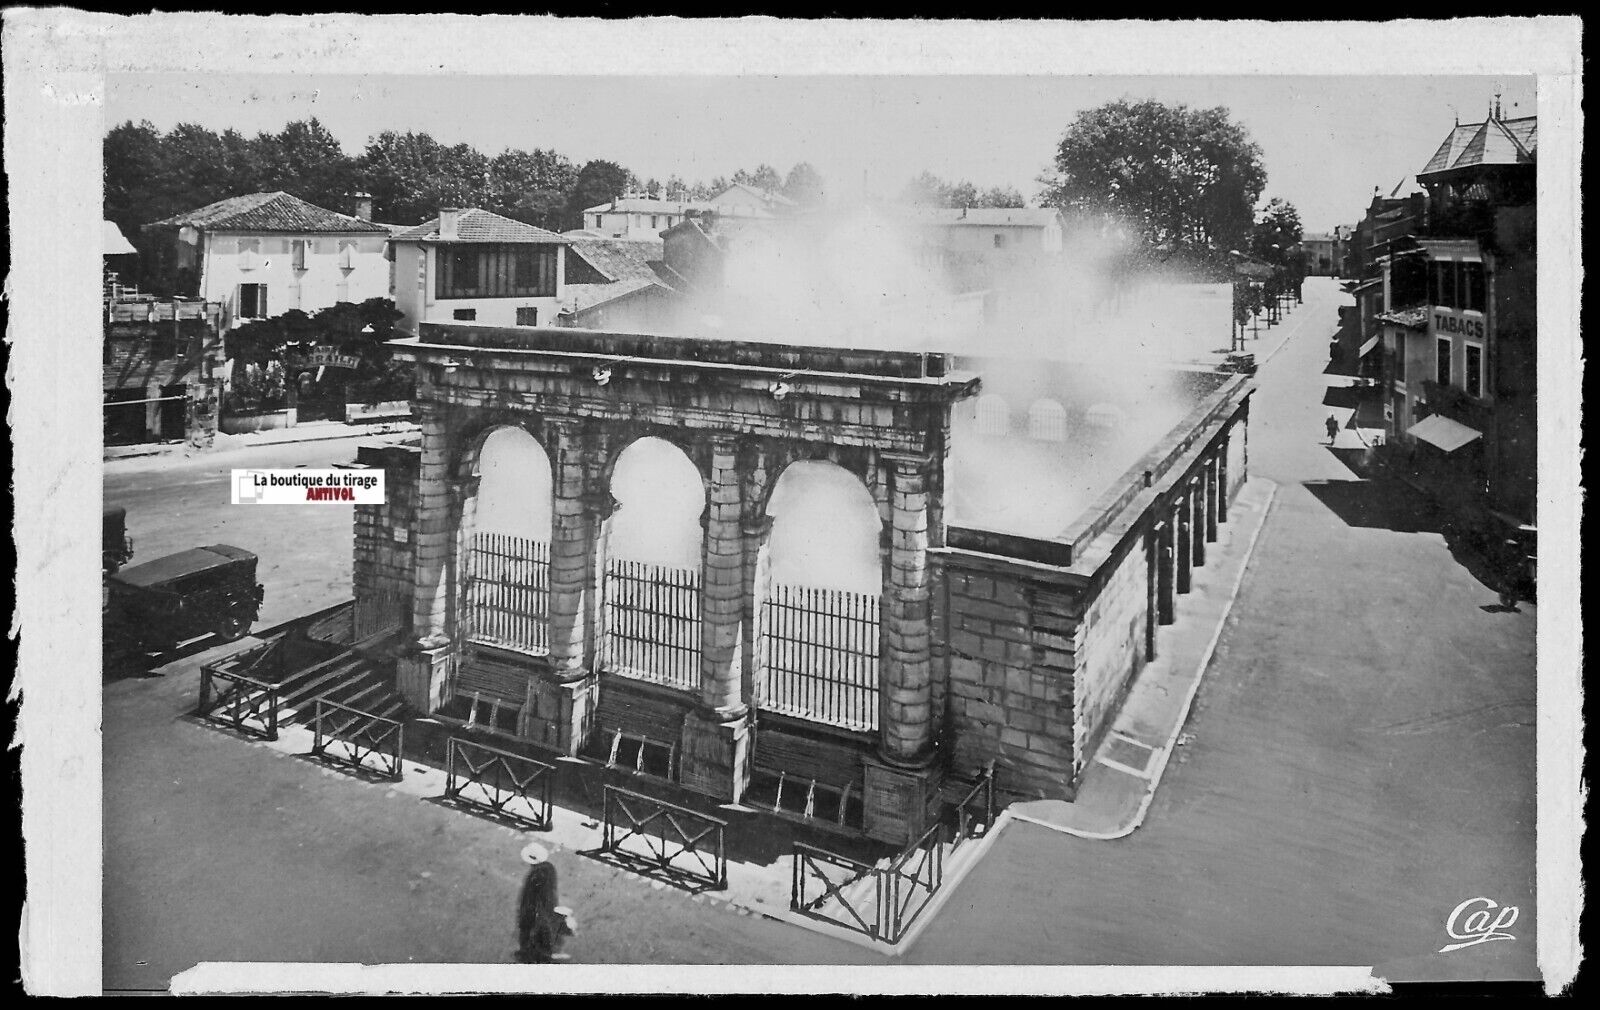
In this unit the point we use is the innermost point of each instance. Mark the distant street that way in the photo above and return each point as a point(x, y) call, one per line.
point(175, 503)
point(1360, 758)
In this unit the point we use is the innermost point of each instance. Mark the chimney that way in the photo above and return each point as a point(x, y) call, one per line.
point(364, 206)
point(449, 217)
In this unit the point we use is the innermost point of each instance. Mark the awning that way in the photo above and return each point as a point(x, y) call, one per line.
point(1439, 430)
point(1457, 250)
point(1367, 347)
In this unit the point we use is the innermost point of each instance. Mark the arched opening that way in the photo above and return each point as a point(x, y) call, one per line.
point(821, 599)
point(507, 571)
point(653, 548)
point(994, 415)
point(1047, 421)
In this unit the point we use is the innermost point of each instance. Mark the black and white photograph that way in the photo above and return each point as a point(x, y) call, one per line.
point(760, 505)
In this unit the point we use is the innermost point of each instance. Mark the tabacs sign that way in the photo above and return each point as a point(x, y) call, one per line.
point(1459, 324)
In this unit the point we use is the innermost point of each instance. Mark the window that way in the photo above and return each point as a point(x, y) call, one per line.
point(527, 316)
point(297, 253)
point(1474, 370)
point(999, 240)
point(252, 301)
point(1447, 284)
point(653, 223)
point(1442, 357)
point(994, 415)
point(597, 220)
point(1400, 356)
point(1047, 421)
point(465, 315)
point(249, 245)
point(497, 271)
point(1473, 295)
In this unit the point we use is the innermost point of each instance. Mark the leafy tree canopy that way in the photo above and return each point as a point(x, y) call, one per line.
point(1181, 178)
point(928, 190)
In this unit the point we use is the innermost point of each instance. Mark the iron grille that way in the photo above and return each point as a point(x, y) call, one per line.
point(821, 649)
point(508, 592)
point(653, 623)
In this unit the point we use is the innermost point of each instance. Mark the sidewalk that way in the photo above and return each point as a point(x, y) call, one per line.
point(311, 431)
point(1121, 780)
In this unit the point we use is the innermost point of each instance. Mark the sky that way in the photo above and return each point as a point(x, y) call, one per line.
point(1327, 141)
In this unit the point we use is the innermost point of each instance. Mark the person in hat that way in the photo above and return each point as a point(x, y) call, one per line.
point(1332, 425)
point(542, 924)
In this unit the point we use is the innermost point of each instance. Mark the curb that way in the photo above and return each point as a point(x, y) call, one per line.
point(1159, 759)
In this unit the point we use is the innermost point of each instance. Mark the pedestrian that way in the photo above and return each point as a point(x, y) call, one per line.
point(1333, 428)
point(542, 924)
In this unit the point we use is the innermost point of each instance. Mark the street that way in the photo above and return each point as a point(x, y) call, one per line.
point(1360, 756)
point(1359, 760)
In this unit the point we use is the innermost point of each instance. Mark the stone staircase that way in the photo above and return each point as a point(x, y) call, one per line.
point(359, 678)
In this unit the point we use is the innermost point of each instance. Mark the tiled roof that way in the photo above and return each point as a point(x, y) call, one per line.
point(646, 205)
point(619, 259)
point(475, 225)
point(587, 296)
point(1448, 151)
point(1492, 142)
point(269, 212)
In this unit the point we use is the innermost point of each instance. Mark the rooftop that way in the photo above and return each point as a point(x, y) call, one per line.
point(269, 212)
point(1026, 217)
point(1492, 142)
point(476, 225)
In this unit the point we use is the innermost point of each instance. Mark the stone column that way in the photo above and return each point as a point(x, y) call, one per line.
point(1197, 531)
point(571, 557)
point(716, 755)
point(423, 673)
point(1213, 500)
point(1182, 516)
point(900, 781)
point(1166, 570)
point(905, 725)
point(757, 582)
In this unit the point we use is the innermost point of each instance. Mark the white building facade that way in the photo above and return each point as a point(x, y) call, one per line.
point(475, 266)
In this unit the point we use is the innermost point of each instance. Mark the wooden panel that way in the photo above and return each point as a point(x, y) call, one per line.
point(494, 674)
point(803, 758)
point(637, 713)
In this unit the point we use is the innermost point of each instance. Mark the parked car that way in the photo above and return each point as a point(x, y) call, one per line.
point(116, 548)
point(206, 590)
point(1240, 362)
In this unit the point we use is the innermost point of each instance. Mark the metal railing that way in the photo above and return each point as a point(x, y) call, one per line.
point(349, 736)
point(822, 656)
point(499, 783)
point(250, 706)
point(663, 834)
point(910, 881)
point(653, 623)
point(507, 597)
point(975, 812)
point(378, 612)
point(841, 878)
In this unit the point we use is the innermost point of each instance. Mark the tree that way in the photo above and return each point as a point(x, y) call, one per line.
point(926, 190)
point(675, 189)
point(597, 182)
point(133, 159)
point(764, 178)
point(411, 176)
point(530, 186)
point(1181, 177)
point(306, 160)
point(804, 185)
point(1001, 197)
point(1276, 231)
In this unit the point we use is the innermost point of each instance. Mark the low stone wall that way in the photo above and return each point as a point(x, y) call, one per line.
point(1111, 647)
point(388, 410)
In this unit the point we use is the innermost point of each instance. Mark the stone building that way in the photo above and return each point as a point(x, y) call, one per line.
point(161, 369)
point(735, 671)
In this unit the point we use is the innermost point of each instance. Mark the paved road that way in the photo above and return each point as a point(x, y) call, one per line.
point(175, 503)
point(1361, 757)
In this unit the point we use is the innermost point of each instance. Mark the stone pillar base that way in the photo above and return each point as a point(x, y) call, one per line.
point(422, 676)
point(715, 755)
point(898, 804)
point(561, 716)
